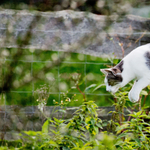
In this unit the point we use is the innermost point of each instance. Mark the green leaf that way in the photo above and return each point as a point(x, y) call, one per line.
point(96, 129)
point(122, 135)
point(136, 114)
point(65, 148)
point(122, 127)
point(62, 110)
point(99, 86)
point(87, 89)
point(148, 87)
point(45, 126)
point(58, 120)
point(119, 143)
point(32, 133)
point(140, 128)
point(53, 143)
point(99, 125)
point(81, 117)
point(92, 121)
point(143, 92)
point(138, 141)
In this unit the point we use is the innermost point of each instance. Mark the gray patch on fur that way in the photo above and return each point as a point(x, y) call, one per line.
point(113, 79)
point(147, 56)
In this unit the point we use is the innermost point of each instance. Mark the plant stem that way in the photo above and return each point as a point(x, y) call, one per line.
point(131, 112)
point(81, 92)
point(140, 104)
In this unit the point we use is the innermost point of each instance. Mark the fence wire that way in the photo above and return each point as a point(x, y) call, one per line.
point(85, 62)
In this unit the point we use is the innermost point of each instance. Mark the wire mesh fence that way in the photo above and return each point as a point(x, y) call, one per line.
point(22, 102)
point(58, 79)
point(36, 68)
point(58, 84)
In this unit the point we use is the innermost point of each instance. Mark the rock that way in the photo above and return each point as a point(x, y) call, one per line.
point(78, 32)
point(17, 118)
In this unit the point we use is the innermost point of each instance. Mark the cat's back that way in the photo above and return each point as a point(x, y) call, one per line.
point(139, 53)
point(139, 59)
point(141, 49)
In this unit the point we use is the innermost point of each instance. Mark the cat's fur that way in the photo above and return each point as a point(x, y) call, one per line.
point(136, 65)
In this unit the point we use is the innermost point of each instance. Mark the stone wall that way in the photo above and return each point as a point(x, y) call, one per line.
point(74, 31)
point(14, 119)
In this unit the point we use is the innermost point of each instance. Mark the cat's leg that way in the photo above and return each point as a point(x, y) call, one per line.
point(134, 94)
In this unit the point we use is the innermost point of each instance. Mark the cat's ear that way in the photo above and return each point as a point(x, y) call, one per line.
point(108, 71)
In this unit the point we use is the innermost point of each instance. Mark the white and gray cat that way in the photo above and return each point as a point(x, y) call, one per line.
point(136, 65)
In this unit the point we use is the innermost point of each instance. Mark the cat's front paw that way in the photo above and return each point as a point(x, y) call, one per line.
point(133, 97)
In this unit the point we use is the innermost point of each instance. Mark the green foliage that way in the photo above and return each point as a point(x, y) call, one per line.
point(77, 132)
point(85, 130)
point(135, 133)
point(86, 119)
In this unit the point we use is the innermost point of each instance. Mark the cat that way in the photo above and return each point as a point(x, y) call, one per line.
point(135, 65)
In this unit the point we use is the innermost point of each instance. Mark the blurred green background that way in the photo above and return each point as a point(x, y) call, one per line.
point(59, 78)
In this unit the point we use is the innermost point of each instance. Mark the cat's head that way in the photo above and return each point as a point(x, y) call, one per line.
point(113, 78)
